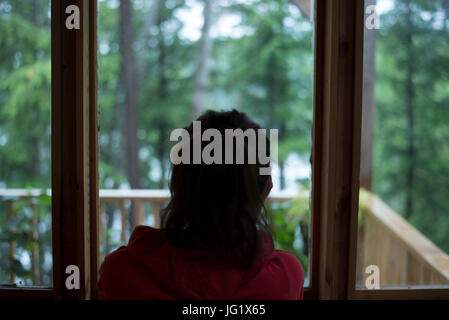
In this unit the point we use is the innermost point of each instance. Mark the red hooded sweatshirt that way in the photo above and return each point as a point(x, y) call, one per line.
point(150, 268)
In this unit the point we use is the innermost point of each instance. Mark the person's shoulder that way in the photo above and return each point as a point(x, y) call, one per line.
point(282, 276)
point(114, 258)
point(291, 265)
point(289, 258)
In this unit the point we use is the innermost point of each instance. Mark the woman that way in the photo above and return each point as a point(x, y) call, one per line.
point(214, 241)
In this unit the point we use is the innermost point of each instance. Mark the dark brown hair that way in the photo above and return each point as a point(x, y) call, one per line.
point(219, 206)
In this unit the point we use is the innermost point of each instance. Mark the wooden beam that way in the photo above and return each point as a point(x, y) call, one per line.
point(12, 243)
point(71, 160)
point(317, 155)
point(411, 239)
point(410, 293)
point(339, 45)
point(93, 147)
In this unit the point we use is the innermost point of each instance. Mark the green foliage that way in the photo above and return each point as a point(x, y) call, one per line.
point(412, 73)
point(18, 229)
point(290, 223)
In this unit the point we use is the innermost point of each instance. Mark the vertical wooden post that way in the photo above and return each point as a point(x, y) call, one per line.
point(399, 264)
point(384, 245)
point(12, 243)
point(404, 266)
point(393, 261)
point(35, 268)
point(124, 221)
point(93, 147)
point(361, 246)
point(140, 212)
point(72, 166)
point(370, 241)
point(156, 214)
point(338, 106)
point(413, 270)
point(426, 276)
point(421, 273)
point(101, 223)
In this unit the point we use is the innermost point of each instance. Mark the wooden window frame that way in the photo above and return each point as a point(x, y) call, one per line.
point(339, 35)
point(339, 29)
point(74, 155)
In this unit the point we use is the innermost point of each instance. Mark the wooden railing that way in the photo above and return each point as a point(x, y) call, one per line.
point(156, 198)
point(403, 255)
point(8, 196)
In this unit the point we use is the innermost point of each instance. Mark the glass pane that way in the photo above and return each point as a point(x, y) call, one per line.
point(255, 56)
point(404, 208)
point(25, 141)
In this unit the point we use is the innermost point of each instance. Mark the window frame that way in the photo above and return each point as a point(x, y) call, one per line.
point(338, 86)
point(74, 159)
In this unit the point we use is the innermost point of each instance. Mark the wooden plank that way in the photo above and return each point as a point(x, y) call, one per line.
point(370, 243)
point(378, 245)
point(56, 144)
point(384, 245)
point(404, 266)
point(411, 293)
point(140, 211)
point(102, 224)
point(426, 276)
point(28, 293)
point(124, 221)
point(156, 214)
point(413, 240)
point(93, 148)
point(12, 243)
point(35, 270)
point(355, 118)
point(391, 260)
point(317, 158)
point(342, 41)
point(398, 264)
point(70, 149)
point(361, 245)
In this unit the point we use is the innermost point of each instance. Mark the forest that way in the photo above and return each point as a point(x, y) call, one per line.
point(162, 63)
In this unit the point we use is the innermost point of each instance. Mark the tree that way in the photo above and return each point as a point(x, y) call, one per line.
point(129, 73)
point(270, 73)
point(410, 159)
point(201, 79)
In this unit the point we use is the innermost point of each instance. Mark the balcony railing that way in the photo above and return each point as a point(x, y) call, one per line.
point(403, 255)
point(156, 198)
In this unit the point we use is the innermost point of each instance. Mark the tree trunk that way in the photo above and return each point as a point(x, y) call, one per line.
point(129, 76)
point(129, 73)
point(162, 95)
point(152, 18)
point(162, 154)
point(409, 107)
point(201, 80)
point(33, 11)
